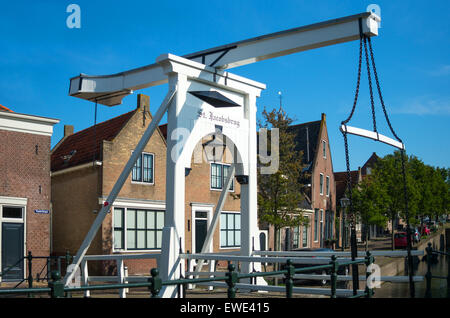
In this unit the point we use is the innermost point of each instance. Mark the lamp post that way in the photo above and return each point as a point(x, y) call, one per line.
point(354, 253)
point(344, 204)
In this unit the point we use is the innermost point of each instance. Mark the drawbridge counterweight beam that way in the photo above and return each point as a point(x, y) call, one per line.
point(109, 90)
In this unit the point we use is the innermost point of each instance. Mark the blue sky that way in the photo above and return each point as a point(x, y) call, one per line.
point(39, 54)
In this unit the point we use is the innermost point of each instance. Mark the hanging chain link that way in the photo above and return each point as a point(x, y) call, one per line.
point(369, 78)
point(347, 160)
point(403, 159)
point(357, 84)
point(379, 92)
point(402, 152)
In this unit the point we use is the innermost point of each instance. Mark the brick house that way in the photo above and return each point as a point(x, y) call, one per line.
point(341, 185)
point(343, 229)
point(366, 169)
point(85, 166)
point(319, 205)
point(25, 210)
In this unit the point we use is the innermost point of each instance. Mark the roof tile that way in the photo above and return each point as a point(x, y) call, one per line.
point(5, 109)
point(85, 145)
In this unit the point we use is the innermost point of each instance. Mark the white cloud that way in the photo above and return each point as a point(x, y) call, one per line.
point(425, 106)
point(442, 70)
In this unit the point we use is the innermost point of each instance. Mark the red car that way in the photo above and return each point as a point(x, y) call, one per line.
point(425, 230)
point(400, 240)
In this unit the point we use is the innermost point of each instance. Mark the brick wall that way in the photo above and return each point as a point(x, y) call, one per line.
point(76, 194)
point(25, 173)
point(198, 184)
point(324, 166)
point(319, 201)
point(115, 155)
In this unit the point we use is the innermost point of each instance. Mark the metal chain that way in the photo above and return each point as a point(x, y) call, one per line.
point(405, 191)
point(379, 92)
point(349, 180)
point(344, 133)
point(357, 84)
point(369, 77)
point(355, 277)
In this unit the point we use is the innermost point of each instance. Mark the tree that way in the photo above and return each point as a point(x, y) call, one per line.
point(388, 171)
point(433, 191)
point(441, 192)
point(280, 193)
point(369, 201)
point(382, 194)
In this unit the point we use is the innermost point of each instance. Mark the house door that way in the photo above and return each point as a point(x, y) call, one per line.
point(262, 241)
point(12, 250)
point(201, 229)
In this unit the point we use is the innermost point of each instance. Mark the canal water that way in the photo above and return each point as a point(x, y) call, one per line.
point(439, 267)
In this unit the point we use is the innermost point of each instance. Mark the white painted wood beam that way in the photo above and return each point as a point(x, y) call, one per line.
point(118, 185)
point(372, 135)
point(111, 89)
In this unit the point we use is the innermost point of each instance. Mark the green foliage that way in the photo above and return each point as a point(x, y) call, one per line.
point(381, 196)
point(427, 187)
point(369, 201)
point(280, 193)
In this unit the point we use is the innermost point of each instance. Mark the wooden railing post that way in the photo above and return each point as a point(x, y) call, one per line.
point(30, 270)
point(289, 275)
point(156, 283)
point(369, 262)
point(428, 275)
point(334, 267)
point(56, 285)
point(232, 279)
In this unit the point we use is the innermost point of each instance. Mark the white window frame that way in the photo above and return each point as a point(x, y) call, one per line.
point(132, 205)
point(299, 235)
point(223, 178)
point(321, 227)
point(321, 183)
point(220, 232)
point(316, 225)
point(200, 208)
point(19, 203)
point(308, 231)
point(327, 185)
point(142, 172)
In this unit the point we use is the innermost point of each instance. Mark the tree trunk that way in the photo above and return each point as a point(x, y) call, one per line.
point(367, 236)
point(392, 234)
point(277, 247)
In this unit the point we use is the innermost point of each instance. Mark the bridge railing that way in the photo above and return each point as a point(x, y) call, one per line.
point(43, 273)
point(430, 257)
point(231, 278)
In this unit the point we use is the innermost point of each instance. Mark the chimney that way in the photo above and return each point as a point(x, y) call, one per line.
point(324, 117)
point(143, 102)
point(68, 130)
